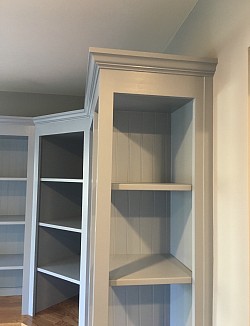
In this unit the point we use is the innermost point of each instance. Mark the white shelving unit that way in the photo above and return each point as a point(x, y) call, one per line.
point(150, 243)
point(15, 205)
point(61, 205)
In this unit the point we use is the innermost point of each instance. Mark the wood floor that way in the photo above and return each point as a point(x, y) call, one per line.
point(63, 314)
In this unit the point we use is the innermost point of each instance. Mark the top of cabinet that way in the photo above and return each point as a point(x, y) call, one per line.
point(134, 61)
point(150, 62)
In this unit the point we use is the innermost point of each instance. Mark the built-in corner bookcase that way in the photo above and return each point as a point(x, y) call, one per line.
point(16, 141)
point(150, 259)
point(61, 204)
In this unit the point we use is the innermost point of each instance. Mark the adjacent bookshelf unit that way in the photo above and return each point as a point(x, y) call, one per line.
point(13, 177)
point(150, 260)
point(15, 205)
point(61, 204)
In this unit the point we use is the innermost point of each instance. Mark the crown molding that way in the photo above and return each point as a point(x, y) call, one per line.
point(111, 59)
point(12, 120)
point(74, 115)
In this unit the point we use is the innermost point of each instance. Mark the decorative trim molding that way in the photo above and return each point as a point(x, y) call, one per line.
point(100, 58)
point(16, 120)
point(59, 117)
point(91, 84)
point(152, 62)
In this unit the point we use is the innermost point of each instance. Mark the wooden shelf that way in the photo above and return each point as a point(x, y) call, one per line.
point(147, 270)
point(61, 180)
point(67, 269)
point(66, 224)
point(12, 219)
point(152, 186)
point(11, 262)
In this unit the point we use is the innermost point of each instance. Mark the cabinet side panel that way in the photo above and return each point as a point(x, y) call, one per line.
point(181, 210)
point(181, 202)
point(181, 144)
point(181, 300)
point(52, 291)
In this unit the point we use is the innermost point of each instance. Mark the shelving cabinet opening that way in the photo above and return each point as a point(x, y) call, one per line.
point(12, 200)
point(62, 156)
point(13, 158)
point(150, 136)
point(59, 256)
point(11, 282)
point(60, 214)
point(151, 209)
point(61, 205)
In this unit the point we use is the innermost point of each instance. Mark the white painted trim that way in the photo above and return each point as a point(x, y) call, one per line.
point(150, 62)
point(16, 120)
point(59, 117)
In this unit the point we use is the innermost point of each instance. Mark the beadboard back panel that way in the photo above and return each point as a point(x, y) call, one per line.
point(139, 305)
point(141, 147)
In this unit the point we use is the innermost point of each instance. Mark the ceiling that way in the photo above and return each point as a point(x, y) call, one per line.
point(44, 44)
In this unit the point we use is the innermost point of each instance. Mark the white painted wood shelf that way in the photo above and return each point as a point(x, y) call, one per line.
point(12, 219)
point(65, 180)
point(11, 262)
point(67, 269)
point(12, 179)
point(67, 224)
point(147, 270)
point(152, 186)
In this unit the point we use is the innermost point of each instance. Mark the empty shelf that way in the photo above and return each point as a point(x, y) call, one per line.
point(12, 219)
point(62, 180)
point(11, 262)
point(152, 186)
point(67, 269)
point(147, 270)
point(12, 179)
point(66, 224)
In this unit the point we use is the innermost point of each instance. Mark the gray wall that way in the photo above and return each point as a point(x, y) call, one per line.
point(32, 104)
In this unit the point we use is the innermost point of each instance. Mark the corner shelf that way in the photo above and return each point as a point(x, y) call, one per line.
point(12, 179)
point(73, 224)
point(147, 270)
point(67, 269)
point(152, 186)
point(61, 180)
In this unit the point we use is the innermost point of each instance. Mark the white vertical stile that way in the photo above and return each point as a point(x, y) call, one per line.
point(83, 293)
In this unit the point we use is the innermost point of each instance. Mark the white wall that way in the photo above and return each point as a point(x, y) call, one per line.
point(221, 28)
point(33, 104)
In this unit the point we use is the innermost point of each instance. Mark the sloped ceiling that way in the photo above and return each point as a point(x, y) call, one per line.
point(44, 44)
